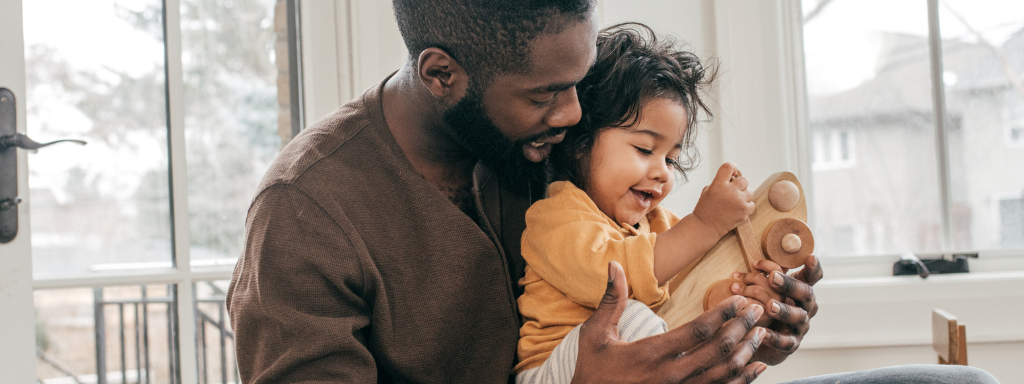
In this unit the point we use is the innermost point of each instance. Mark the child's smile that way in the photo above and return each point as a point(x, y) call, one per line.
point(631, 168)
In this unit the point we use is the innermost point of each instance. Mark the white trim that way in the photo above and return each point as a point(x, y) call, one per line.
point(189, 366)
point(17, 317)
point(130, 278)
point(322, 87)
point(759, 93)
point(894, 311)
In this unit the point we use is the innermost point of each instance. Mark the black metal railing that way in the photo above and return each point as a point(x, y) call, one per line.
point(221, 330)
point(133, 347)
point(140, 310)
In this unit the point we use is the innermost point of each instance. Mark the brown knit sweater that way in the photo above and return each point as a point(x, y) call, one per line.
point(356, 269)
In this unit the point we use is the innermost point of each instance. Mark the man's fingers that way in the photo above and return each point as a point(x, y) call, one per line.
point(718, 349)
point(788, 314)
point(724, 349)
point(782, 342)
point(791, 287)
point(750, 373)
point(602, 326)
point(737, 368)
point(689, 335)
point(811, 273)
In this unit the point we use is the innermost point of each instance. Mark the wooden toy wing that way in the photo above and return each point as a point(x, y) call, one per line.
point(775, 201)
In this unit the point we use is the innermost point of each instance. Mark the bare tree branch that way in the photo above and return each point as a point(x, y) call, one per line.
point(817, 9)
point(1003, 59)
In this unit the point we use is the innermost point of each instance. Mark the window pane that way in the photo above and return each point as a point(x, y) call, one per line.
point(872, 130)
point(235, 59)
point(136, 329)
point(983, 59)
point(95, 71)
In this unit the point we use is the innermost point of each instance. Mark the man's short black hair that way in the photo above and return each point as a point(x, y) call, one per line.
point(486, 37)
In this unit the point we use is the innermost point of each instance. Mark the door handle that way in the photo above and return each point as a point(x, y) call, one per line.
point(10, 139)
point(21, 141)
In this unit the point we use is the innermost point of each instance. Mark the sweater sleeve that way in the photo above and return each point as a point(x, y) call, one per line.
point(296, 297)
point(568, 244)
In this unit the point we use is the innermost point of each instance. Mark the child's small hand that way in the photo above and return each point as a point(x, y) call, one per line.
point(757, 289)
point(725, 203)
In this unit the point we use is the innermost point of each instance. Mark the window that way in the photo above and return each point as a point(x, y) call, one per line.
point(1015, 112)
point(932, 92)
point(115, 251)
point(1011, 221)
point(832, 149)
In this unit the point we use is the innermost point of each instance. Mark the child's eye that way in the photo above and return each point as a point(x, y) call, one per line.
point(644, 151)
point(671, 161)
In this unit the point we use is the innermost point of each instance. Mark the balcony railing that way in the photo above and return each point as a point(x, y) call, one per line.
point(126, 332)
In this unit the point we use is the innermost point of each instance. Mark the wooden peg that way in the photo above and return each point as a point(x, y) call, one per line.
point(788, 242)
point(784, 195)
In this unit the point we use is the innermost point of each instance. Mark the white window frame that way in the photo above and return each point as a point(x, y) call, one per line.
point(181, 273)
point(862, 305)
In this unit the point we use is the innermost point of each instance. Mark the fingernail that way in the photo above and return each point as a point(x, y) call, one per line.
point(760, 369)
point(760, 334)
point(777, 280)
point(736, 288)
point(758, 310)
point(775, 307)
point(611, 273)
point(736, 275)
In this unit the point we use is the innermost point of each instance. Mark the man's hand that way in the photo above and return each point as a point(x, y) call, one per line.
point(715, 347)
point(793, 314)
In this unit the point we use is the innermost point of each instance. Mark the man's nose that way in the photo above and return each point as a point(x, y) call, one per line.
point(567, 113)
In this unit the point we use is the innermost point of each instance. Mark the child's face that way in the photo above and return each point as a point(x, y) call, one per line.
point(631, 168)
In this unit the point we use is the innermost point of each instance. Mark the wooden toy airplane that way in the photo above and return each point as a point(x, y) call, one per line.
point(777, 231)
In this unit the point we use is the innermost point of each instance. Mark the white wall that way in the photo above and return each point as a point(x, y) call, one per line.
point(867, 319)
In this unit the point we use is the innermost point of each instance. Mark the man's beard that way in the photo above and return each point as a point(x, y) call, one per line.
point(481, 137)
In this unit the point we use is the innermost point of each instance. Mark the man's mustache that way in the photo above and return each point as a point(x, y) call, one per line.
point(543, 135)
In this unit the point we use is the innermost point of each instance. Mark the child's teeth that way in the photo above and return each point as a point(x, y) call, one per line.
point(536, 144)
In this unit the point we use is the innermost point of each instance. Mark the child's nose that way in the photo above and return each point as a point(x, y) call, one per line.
point(660, 171)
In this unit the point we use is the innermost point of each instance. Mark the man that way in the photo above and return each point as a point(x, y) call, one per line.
point(382, 245)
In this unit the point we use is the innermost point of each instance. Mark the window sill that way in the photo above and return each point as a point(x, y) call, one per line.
point(873, 311)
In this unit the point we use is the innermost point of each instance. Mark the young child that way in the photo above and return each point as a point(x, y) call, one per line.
point(640, 103)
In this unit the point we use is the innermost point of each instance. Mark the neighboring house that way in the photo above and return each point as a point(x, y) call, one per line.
point(874, 147)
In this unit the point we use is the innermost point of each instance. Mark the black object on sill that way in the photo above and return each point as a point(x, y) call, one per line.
point(909, 264)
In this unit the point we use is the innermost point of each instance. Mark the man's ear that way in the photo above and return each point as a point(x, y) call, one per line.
point(441, 74)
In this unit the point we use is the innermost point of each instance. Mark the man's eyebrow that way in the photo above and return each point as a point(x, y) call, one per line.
point(554, 87)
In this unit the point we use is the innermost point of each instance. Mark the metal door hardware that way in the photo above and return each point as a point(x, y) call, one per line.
point(22, 141)
point(10, 140)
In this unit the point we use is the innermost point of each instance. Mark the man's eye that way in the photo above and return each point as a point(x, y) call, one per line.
point(544, 103)
point(644, 151)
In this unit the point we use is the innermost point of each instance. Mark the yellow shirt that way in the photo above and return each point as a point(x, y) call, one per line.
point(567, 245)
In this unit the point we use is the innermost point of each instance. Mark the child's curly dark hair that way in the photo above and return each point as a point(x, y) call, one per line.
point(633, 66)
